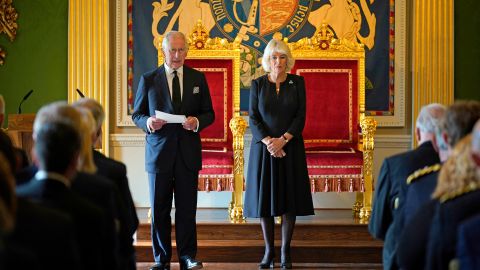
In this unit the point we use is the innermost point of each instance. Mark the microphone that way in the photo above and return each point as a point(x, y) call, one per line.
point(80, 93)
point(24, 98)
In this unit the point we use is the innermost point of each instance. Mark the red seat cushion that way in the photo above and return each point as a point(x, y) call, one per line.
point(217, 170)
point(335, 169)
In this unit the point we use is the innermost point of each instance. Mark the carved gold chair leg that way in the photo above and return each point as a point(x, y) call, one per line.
point(357, 206)
point(369, 126)
point(237, 126)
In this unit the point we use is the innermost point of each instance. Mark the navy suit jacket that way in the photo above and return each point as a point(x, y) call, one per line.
point(442, 239)
point(412, 243)
point(419, 192)
point(153, 94)
point(468, 245)
point(88, 219)
point(116, 172)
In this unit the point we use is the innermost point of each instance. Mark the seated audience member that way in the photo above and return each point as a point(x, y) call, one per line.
point(385, 222)
point(7, 216)
point(117, 173)
point(96, 189)
point(56, 150)
point(7, 204)
point(45, 234)
point(468, 245)
point(422, 182)
point(458, 191)
point(457, 122)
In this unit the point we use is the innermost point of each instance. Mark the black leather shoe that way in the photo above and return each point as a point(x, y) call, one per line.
point(189, 263)
point(160, 266)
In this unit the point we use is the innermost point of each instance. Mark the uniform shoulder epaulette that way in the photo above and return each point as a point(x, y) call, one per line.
point(424, 171)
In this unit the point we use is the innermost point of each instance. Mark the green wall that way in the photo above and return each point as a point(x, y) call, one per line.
point(37, 58)
point(467, 49)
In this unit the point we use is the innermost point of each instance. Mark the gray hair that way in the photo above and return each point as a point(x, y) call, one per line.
point(2, 105)
point(95, 109)
point(80, 119)
point(276, 46)
point(58, 111)
point(169, 36)
point(430, 117)
point(476, 138)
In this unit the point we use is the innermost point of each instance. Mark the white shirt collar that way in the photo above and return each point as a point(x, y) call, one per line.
point(42, 175)
point(170, 70)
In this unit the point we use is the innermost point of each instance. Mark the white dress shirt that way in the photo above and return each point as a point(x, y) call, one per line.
point(169, 73)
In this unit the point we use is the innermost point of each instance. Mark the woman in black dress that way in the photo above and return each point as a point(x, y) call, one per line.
point(277, 178)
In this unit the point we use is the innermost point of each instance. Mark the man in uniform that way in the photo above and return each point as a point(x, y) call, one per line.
point(391, 186)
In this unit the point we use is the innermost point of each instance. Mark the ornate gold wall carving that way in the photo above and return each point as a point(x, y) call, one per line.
point(88, 54)
point(432, 55)
point(8, 24)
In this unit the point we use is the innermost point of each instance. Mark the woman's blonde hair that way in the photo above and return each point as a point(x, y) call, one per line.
point(277, 46)
point(459, 172)
point(88, 129)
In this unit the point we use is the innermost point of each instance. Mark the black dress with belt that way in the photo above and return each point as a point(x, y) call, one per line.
point(276, 186)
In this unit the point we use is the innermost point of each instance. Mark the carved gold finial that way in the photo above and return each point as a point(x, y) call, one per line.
point(324, 40)
point(8, 19)
point(324, 36)
point(199, 35)
point(199, 39)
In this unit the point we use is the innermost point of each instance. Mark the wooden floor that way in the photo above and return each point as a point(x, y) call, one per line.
point(253, 266)
point(323, 216)
point(330, 239)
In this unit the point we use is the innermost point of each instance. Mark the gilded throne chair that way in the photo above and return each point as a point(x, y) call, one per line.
point(222, 141)
point(338, 136)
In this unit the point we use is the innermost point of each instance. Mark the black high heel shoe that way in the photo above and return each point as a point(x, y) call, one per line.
point(268, 264)
point(286, 265)
point(286, 261)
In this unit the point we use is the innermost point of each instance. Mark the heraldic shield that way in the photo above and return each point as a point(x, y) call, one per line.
point(222, 141)
point(338, 136)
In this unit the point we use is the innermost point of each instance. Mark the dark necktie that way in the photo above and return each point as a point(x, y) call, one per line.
point(176, 96)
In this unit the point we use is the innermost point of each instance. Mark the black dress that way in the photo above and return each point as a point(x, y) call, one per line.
point(276, 186)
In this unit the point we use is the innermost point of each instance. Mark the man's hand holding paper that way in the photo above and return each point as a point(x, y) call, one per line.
point(154, 123)
point(170, 118)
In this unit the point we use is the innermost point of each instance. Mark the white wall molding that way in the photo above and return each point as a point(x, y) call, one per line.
point(381, 141)
point(393, 141)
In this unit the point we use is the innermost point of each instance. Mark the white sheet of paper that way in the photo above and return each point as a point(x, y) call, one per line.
point(170, 118)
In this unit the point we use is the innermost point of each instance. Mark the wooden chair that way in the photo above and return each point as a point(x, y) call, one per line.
point(222, 148)
point(338, 136)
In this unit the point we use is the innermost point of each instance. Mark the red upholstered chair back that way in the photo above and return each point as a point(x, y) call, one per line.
point(339, 152)
point(332, 94)
point(220, 77)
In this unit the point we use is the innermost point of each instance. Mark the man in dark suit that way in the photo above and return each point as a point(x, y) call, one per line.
point(56, 148)
point(47, 233)
point(173, 151)
point(116, 172)
point(385, 222)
